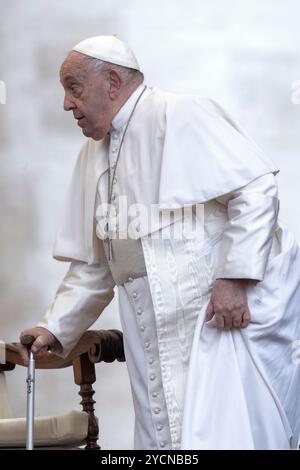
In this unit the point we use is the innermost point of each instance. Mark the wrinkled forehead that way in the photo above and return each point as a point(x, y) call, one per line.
point(74, 65)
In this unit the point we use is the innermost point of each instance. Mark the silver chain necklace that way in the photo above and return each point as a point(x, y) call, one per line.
point(107, 239)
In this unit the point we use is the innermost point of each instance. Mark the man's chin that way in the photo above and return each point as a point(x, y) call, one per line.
point(86, 132)
point(93, 135)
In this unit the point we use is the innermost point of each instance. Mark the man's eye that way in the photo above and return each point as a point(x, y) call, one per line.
point(75, 90)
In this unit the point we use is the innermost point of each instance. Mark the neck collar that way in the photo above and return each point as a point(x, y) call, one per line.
point(122, 116)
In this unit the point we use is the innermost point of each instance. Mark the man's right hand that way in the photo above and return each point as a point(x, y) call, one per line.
point(43, 340)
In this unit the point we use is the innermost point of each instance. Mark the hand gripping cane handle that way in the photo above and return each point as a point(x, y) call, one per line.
point(28, 340)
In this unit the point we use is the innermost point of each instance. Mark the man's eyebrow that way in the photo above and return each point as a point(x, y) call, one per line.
point(68, 78)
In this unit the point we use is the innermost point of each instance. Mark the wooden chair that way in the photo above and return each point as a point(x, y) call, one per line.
point(93, 347)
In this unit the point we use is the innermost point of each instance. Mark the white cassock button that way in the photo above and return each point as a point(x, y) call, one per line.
point(115, 180)
point(147, 345)
point(154, 394)
point(140, 310)
point(115, 149)
point(113, 196)
point(162, 444)
point(142, 328)
point(157, 411)
point(134, 295)
point(151, 360)
point(159, 427)
point(152, 377)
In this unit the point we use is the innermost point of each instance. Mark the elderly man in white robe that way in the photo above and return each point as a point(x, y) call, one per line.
point(210, 318)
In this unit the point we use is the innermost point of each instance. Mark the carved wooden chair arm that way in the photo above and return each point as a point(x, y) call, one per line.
point(101, 345)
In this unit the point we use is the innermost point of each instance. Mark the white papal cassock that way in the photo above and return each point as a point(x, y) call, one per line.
point(193, 386)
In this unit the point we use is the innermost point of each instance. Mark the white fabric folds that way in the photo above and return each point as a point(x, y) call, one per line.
point(81, 297)
point(242, 385)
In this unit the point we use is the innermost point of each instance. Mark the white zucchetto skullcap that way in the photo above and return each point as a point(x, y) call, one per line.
point(110, 49)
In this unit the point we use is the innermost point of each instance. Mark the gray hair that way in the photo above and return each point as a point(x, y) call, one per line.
point(128, 75)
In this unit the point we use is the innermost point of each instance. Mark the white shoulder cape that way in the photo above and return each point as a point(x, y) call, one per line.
point(179, 150)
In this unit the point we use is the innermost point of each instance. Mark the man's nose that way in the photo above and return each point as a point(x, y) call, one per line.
point(68, 104)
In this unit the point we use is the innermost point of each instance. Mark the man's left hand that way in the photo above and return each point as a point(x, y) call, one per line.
point(228, 303)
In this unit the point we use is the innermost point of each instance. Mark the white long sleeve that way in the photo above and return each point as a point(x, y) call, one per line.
point(81, 297)
point(248, 234)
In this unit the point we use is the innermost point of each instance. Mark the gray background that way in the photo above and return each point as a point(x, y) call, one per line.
point(244, 54)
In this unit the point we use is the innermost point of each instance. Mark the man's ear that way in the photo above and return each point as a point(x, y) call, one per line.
point(115, 84)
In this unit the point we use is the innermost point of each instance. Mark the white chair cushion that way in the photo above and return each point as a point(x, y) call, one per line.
point(5, 408)
point(68, 429)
